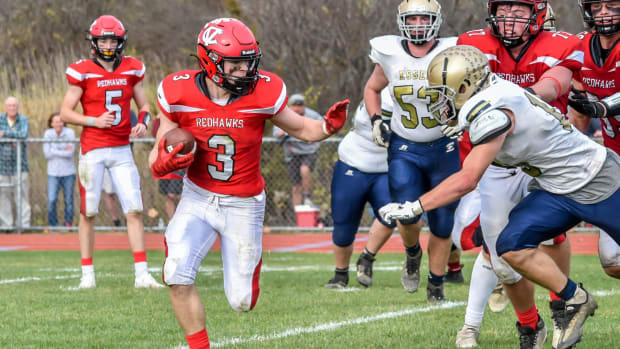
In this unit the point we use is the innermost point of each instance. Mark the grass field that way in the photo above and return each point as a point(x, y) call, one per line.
point(40, 308)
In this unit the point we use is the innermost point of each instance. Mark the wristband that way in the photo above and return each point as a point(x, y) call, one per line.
point(558, 86)
point(325, 129)
point(90, 121)
point(144, 117)
point(375, 118)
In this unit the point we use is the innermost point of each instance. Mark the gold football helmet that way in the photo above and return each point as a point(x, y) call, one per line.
point(456, 74)
point(419, 34)
point(549, 19)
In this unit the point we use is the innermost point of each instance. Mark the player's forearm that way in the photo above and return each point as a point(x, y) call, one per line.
point(372, 100)
point(580, 121)
point(70, 116)
point(554, 83)
point(448, 191)
point(311, 131)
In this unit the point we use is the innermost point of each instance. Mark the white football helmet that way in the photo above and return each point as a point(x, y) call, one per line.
point(419, 34)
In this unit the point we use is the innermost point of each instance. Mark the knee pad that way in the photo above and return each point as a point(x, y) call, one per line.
point(504, 271)
point(240, 302)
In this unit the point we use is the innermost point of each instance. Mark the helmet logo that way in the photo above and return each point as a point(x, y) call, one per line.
point(208, 37)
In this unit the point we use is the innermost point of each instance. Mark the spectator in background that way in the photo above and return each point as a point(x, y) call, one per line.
point(60, 168)
point(13, 125)
point(299, 156)
point(171, 185)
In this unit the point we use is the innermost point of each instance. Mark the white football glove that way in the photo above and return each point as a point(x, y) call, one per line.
point(381, 131)
point(452, 132)
point(407, 210)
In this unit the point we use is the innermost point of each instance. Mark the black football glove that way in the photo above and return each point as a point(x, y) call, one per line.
point(581, 103)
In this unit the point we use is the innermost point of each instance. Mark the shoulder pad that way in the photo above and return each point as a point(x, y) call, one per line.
point(488, 125)
point(386, 45)
point(448, 41)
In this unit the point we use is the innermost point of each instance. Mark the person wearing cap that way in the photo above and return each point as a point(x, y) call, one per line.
point(299, 156)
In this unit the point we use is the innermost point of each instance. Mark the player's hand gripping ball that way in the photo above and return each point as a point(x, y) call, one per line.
point(174, 153)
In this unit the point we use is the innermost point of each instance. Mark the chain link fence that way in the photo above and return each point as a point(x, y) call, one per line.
point(279, 216)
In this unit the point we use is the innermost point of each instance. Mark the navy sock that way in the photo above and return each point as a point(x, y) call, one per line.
point(434, 279)
point(413, 250)
point(569, 290)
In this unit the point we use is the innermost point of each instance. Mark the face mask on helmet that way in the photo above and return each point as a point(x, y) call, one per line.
point(601, 15)
point(429, 21)
point(454, 76)
point(229, 40)
point(533, 23)
point(107, 27)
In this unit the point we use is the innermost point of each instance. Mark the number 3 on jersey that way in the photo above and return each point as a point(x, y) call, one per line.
point(223, 170)
point(411, 121)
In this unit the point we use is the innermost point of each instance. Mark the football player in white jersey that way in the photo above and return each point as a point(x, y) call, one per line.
point(419, 156)
point(360, 176)
point(574, 178)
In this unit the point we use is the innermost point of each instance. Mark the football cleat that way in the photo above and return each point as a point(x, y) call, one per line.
point(467, 337)
point(455, 277)
point(434, 293)
point(530, 339)
point(557, 314)
point(576, 312)
point(410, 276)
point(498, 301)
point(364, 269)
point(87, 281)
point(337, 283)
point(145, 280)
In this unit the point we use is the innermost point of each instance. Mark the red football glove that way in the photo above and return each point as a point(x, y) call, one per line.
point(169, 162)
point(336, 117)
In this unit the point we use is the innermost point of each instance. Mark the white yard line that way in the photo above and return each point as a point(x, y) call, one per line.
point(332, 325)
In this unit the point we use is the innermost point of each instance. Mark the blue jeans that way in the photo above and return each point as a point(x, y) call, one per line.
point(53, 186)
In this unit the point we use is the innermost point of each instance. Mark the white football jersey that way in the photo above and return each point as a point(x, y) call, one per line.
point(358, 149)
point(543, 143)
point(407, 76)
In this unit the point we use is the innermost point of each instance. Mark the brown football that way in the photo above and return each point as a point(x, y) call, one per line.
point(179, 135)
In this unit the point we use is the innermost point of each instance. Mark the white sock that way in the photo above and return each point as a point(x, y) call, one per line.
point(141, 267)
point(88, 269)
point(482, 284)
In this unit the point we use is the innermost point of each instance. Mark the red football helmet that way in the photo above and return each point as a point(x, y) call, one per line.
point(228, 39)
point(589, 19)
point(535, 22)
point(106, 27)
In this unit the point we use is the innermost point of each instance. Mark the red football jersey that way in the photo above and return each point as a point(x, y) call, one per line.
point(547, 50)
point(228, 137)
point(602, 81)
point(106, 91)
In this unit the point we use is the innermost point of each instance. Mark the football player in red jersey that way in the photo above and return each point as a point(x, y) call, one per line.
point(105, 85)
point(225, 105)
point(542, 62)
point(597, 93)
